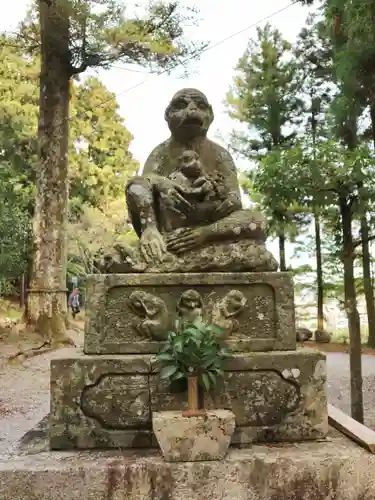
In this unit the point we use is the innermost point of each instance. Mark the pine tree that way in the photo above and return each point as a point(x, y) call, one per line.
point(264, 98)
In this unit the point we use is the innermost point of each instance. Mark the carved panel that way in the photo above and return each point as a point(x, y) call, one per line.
point(117, 401)
point(257, 397)
point(134, 314)
point(134, 317)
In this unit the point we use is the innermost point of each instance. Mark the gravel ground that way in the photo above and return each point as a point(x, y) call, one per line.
point(24, 393)
point(339, 384)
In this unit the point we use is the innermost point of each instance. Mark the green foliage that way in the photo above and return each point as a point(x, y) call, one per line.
point(274, 178)
point(14, 239)
point(265, 100)
point(99, 164)
point(263, 96)
point(194, 351)
point(102, 32)
point(14, 228)
point(94, 233)
point(99, 158)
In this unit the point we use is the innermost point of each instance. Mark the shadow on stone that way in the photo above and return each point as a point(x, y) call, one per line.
point(36, 439)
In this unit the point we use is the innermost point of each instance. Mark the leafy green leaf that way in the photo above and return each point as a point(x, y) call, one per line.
point(206, 381)
point(168, 371)
point(177, 376)
point(217, 330)
point(164, 356)
point(212, 378)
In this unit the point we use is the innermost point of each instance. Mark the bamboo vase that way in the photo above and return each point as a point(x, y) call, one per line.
point(193, 393)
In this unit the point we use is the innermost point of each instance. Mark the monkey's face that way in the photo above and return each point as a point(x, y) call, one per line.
point(190, 299)
point(190, 165)
point(144, 304)
point(235, 301)
point(189, 114)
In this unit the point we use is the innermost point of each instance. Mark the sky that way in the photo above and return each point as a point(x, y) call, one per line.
point(143, 97)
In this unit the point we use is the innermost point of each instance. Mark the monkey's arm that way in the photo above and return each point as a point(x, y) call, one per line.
point(227, 168)
point(155, 163)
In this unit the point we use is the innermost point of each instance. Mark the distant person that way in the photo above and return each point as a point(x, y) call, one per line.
point(73, 302)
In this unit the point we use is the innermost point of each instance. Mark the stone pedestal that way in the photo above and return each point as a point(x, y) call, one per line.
point(105, 397)
point(107, 401)
point(337, 469)
point(193, 439)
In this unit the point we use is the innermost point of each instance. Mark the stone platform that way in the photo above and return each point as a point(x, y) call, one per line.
point(335, 470)
point(106, 401)
point(131, 313)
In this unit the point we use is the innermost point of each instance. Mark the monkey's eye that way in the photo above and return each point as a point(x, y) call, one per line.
point(137, 304)
point(180, 104)
point(201, 104)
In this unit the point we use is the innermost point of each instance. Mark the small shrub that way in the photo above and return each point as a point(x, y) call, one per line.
point(194, 353)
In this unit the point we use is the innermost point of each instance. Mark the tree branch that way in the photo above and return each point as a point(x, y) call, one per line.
point(359, 242)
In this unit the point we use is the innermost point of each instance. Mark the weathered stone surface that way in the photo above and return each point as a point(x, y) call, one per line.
point(335, 470)
point(276, 396)
point(193, 439)
point(322, 337)
point(236, 256)
point(186, 206)
point(100, 402)
point(106, 401)
point(130, 313)
point(303, 334)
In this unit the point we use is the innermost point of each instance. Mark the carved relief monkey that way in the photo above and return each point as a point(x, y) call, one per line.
point(226, 310)
point(152, 313)
point(189, 307)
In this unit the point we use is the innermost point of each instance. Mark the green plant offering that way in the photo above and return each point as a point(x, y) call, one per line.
point(194, 352)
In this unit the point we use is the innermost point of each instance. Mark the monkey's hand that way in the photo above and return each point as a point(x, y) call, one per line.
point(228, 206)
point(152, 245)
point(172, 197)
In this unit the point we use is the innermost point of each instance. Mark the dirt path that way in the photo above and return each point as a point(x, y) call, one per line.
point(339, 384)
point(24, 393)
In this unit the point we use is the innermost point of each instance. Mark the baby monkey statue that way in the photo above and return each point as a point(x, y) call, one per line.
point(190, 177)
point(186, 207)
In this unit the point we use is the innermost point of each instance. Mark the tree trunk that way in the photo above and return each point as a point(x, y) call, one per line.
point(282, 252)
point(319, 274)
point(367, 277)
point(22, 291)
point(367, 282)
point(352, 312)
point(47, 307)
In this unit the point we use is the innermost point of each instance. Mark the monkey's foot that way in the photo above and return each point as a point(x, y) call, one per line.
point(241, 256)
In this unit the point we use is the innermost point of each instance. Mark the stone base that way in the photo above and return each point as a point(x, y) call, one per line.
point(107, 401)
point(132, 313)
point(193, 439)
point(310, 471)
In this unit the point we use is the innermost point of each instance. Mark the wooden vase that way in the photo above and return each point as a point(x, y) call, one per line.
point(193, 393)
point(193, 398)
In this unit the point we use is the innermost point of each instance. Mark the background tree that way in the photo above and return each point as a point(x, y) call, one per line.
point(73, 37)
point(355, 56)
point(352, 31)
point(99, 163)
point(264, 99)
point(336, 176)
point(314, 66)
